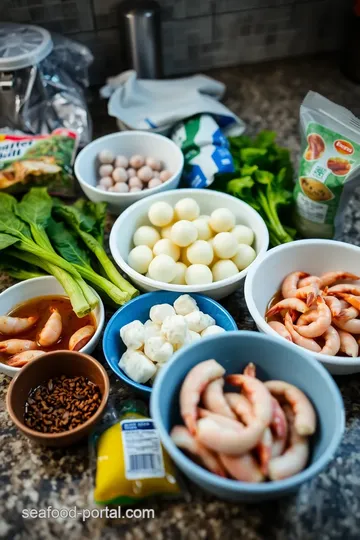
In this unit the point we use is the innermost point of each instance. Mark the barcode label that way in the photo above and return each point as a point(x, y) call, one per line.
point(142, 449)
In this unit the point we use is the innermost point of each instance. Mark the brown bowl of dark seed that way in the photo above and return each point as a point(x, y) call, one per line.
point(57, 398)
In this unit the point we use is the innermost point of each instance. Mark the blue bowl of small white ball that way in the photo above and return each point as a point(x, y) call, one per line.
point(123, 168)
point(188, 240)
point(142, 336)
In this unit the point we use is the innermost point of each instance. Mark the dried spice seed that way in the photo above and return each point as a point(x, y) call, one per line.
point(61, 404)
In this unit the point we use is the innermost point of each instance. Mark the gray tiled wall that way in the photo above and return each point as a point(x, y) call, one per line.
point(197, 34)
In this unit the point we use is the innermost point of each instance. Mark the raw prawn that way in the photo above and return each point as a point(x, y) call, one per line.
point(320, 325)
point(21, 359)
point(288, 303)
point(15, 346)
point(194, 384)
point(264, 450)
point(290, 284)
point(222, 421)
point(52, 329)
point(307, 343)
point(241, 406)
point(183, 439)
point(328, 278)
point(280, 329)
point(250, 370)
point(304, 414)
point(244, 468)
point(16, 325)
point(257, 394)
point(81, 337)
point(332, 342)
point(348, 344)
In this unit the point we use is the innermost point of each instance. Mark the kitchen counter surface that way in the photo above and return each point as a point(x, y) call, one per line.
point(265, 96)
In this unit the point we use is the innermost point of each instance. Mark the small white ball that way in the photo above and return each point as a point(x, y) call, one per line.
point(183, 233)
point(166, 232)
point(225, 245)
point(174, 330)
point(102, 188)
point(146, 235)
point(212, 330)
point(154, 182)
point(243, 234)
point(165, 176)
point(139, 258)
point(159, 312)
point(244, 256)
point(167, 247)
point(158, 350)
point(224, 269)
point(121, 161)
point(106, 156)
point(160, 214)
point(131, 172)
point(222, 220)
point(204, 231)
point(134, 181)
point(179, 278)
point(151, 329)
point(145, 174)
point(106, 182)
point(156, 174)
point(153, 163)
point(185, 304)
point(198, 274)
point(162, 268)
point(105, 170)
point(192, 336)
point(120, 187)
point(135, 189)
point(119, 174)
point(187, 209)
point(136, 161)
point(200, 252)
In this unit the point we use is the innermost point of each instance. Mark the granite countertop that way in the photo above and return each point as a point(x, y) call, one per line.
point(328, 507)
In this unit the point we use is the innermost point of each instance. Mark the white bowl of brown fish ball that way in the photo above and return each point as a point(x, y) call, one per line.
point(36, 317)
point(123, 168)
point(308, 292)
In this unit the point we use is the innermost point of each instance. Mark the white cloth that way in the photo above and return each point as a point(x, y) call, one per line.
point(152, 104)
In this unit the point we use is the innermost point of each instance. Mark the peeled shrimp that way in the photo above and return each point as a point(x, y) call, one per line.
point(243, 468)
point(294, 458)
point(222, 421)
point(320, 325)
point(15, 325)
point(348, 313)
point(52, 329)
point(241, 406)
point(290, 284)
point(183, 439)
point(309, 293)
point(334, 304)
point(352, 326)
point(332, 342)
point(288, 303)
point(307, 343)
point(81, 337)
point(328, 278)
point(278, 420)
point(310, 280)
point(214, 400)
point(280, 328)
point(348, 344)
point(304, 414)
point(194, 384)
point(23, 358)
point(344, 288)
point(308, 317)
point(351, 299)
point(250, 370)
point(264, 450)
point(258, 395)
point(15, 346)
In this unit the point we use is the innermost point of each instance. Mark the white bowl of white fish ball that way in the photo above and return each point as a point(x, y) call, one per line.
point(32, 301)
point(191, 229)
point(123, 168)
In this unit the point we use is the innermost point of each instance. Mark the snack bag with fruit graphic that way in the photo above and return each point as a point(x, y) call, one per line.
point(329, 167)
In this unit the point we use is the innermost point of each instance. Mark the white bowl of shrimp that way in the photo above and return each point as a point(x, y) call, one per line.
point(281, 431)
point(316, 281)
point(36, 317)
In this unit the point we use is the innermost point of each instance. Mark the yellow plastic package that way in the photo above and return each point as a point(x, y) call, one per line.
point(131, 463)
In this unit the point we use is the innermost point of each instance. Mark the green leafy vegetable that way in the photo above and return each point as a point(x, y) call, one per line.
point(11, 266)
point(96, 211)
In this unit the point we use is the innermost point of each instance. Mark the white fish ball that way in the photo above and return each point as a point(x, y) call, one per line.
point(174, 329)
point(200, 252)
point(139, 258)
point(145, 174)
point(179, 278)
point(154, 182)
point(121, 161)
point(225, 245)
point(156, 174)
point(244, 256)
point(243, 234)
point(120, 187)
point(154, 164)
point(159, 312)
point(224, 269)
point(166, 232)
point(183, 233)
point(204, 231)
point(222, 220)
point(197, 321)
point(167, 247)
point(192, 336)
point(106, 182)
point(162, 268)
point(119, 174)
point(158, 350)
point(185, 304)
point(106, 156)
point(165, 175)
point(136, 161)
point(105, 170)
point(134, 181)
point(132, 335)
point(187, 209)
point(160, 214)
point(146, 235)
point(151, 329)
point(198, 274)
point(131, 172)
point(135, 189)
point(212, 330)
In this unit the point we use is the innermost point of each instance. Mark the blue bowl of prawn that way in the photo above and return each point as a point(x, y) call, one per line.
point(274, 359)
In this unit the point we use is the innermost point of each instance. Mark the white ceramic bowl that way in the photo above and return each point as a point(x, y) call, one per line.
point(135, 216)
point(313, 256)
point(44, 286)
point(127, 143)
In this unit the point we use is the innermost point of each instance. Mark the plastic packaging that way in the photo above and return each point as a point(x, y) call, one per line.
point(131, 463)
point(329, 167)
